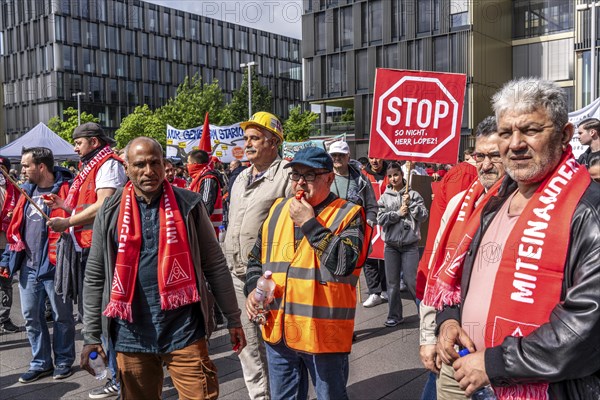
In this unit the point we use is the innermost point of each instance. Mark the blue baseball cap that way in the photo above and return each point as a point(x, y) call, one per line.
point(313, 157)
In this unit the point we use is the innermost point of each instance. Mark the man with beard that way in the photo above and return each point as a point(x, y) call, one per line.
point(170, 175)
point(252, 195)
point(520, 292)
point(489, 170)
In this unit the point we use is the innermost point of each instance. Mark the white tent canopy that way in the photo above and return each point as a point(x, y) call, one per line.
point(40, 136)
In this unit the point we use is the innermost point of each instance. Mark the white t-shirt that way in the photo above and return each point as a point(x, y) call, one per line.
point(111, 175)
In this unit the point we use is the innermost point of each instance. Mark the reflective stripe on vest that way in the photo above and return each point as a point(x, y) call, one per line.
point(313, 310)
point(217, 215)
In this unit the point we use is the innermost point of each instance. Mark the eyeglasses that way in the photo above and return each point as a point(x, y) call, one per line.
point(525, 131)
point(308, 177)
point(493, 157)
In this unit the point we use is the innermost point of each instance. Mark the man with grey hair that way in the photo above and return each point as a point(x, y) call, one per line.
point(520, 292)
point(589, 135)
point(489, 171)
point(253, 193)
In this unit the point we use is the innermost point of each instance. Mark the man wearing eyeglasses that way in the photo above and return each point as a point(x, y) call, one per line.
point(489, 170)
point(314, 244)
point(521, 290)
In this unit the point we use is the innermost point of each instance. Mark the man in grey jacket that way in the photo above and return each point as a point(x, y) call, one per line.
point(153, 253)
point(350, 184)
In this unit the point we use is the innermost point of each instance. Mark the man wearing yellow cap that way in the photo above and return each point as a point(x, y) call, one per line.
point(252, 195)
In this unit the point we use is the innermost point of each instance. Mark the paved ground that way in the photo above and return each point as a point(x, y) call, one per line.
point(384, 363)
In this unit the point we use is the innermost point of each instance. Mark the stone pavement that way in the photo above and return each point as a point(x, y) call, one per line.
point(384, 363)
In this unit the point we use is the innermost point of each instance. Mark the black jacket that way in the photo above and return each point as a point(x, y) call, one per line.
point(566, 350)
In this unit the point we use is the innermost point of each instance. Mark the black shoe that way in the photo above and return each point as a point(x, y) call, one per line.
point(390, 323)
point(31, 376)
point(8, 327)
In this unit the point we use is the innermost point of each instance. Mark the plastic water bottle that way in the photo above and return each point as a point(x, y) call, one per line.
point(484, 393)
point(263, 295)
point(97, 364)
point(222, 233)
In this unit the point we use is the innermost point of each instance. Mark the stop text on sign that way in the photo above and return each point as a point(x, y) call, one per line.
point(416, 115)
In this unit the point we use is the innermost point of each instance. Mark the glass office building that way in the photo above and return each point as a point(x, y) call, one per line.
point(124, 53)
point(344, 41)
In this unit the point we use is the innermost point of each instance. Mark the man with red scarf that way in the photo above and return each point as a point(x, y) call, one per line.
point(31, 250)
point(8, 200)
point(146, 283)
point(520, 291)
point(206, 181)
point(101, 173)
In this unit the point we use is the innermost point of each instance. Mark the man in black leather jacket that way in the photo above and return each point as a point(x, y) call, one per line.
point(564, 351)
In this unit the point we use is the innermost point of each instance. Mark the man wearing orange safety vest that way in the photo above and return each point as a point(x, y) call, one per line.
point(314, 244)
point(207, 182)
point(101, 173)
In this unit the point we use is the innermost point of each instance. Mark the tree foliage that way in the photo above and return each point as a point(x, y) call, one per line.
point(142, 122)
point(65, 127)
point(262, 100)
point(299, 125)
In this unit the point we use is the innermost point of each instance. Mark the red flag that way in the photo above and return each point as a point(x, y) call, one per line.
point(205, 139)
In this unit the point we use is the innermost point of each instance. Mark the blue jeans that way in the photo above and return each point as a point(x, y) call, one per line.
point(111, 354)
point(289, 370)
point(429, 390)
point(33, 296)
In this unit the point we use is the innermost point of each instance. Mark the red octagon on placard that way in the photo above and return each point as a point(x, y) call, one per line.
point(417, 127)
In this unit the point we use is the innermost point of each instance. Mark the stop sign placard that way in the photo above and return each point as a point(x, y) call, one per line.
point(417, 115)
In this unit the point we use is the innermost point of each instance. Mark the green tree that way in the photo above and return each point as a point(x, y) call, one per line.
point(348, 115)
point(299, 125)
point(192, 101)
point(65, 126)
point(262, 100)
point(141, 122)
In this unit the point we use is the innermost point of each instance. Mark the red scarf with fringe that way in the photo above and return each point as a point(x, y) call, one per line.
point(453, 233)
point(90, 168)
point(176, 274)
point(10, 201)
point(13, 232)
point(196, 172)
point(529, 280)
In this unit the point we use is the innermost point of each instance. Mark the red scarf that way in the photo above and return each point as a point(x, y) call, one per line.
point(13, 232)
point(196, 172)
point(91, 167)
point(529, 280)
point(10, 200)
point(453, 233)
point(176, 274)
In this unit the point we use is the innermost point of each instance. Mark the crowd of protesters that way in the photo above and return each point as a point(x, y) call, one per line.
point(508, 274)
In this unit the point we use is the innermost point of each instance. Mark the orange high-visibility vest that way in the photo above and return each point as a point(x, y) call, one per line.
point(313, 310)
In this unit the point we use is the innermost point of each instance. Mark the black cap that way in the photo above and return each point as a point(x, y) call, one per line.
point(92, 129)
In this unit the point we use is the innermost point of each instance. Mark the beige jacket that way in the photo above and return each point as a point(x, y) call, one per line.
point(249, 206)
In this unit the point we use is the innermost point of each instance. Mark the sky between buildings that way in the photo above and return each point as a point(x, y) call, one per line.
point(278, 16)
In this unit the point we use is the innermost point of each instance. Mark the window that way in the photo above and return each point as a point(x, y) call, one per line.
point(375, 22)
point(120, 13)
point(137, 17)
point(161, 51)
point(346, 32)
point(69, 58)
point(208, 33)
point(440, 54)
point(320, 33)
point(166, 23)
point(153, 20)
point(76, 31)
point(362, 70)
point(121, 65)
point(100, 10)
point(537, 18)
point(548, 60)
point(424, 16)
point(194, 29)
point(178, 26)
point(91, 34)
point(89, 61)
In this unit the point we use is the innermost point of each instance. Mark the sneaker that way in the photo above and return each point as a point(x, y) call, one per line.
point(31, 376)
point(390, 323)
point(402, 286)
point(62, 372)
point(110, 389)
point(372, 301)
point(8, 327)
point(384, 296)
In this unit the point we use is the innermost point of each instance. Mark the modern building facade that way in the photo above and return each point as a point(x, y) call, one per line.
point(344, 41)
point(124, 53)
